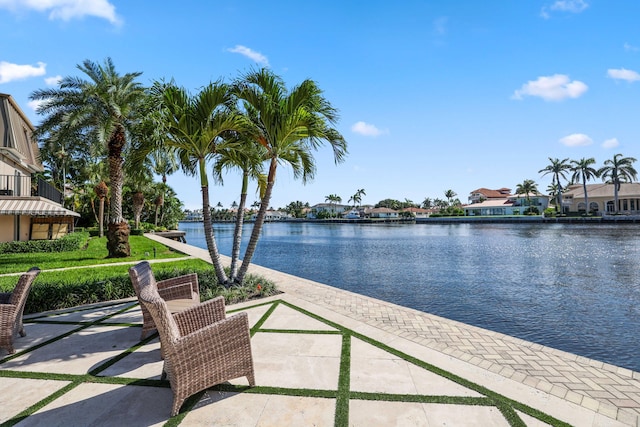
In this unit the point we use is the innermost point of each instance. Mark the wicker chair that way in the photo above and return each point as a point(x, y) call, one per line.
point(12, 307)
point(201, 346)
point(182, 287)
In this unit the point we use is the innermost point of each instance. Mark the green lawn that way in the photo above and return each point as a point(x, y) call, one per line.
point(95, 253)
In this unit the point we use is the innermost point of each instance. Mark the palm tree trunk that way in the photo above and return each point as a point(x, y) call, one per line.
point(101, 217)
point(257, 226)
point(237, 234)
point(208, 228)
point(118, 230)
point(586, 196)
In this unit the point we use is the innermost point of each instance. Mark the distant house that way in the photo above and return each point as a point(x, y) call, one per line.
point(419, 212)
point(382, 213)
point(512, 205)
point(30, 208)
point(601, 198)
point(332, 209)
point(193, 216)
point(482, 194)
point(271, 215)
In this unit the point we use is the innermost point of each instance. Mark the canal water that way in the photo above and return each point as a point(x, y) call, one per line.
point(568, 286)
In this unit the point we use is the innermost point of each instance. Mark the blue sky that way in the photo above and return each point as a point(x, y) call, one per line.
point(433, 95)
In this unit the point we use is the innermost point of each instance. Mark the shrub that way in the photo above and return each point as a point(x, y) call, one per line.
point(70, 242)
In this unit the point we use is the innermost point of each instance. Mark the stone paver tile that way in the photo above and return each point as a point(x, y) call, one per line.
point(284, 317)
point(285, 344)
point(17, 394)
point(531, 421)
point(254, 314)
point(134, 315)
point(105, 405)
point(77, 353)
point(144, 363)
point(87, 315)
point(37, 333)
point(244, 409)
point(428, 383)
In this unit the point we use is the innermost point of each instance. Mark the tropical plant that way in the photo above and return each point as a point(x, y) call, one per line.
point(333, 200)
point(102, 109)
point(616, 171)
point(450, 194)
point(558, 168)
point(583, 172)
point(357, 198)
point(102, 191)
point(290, 125)
point(527, 187)
point(427, 203)
point(195, 126)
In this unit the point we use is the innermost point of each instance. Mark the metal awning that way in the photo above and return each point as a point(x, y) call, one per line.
point(33, 207)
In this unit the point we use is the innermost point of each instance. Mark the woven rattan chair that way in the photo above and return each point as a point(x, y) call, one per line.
point(182, 287)
point(201, 346)
point(12, 307)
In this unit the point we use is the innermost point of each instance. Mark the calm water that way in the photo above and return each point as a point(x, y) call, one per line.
point(571, 287)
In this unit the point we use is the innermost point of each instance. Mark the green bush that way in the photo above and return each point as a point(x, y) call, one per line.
point(64, 289)
point(70, 242)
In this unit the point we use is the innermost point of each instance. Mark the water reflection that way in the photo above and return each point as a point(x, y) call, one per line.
point(572, 287)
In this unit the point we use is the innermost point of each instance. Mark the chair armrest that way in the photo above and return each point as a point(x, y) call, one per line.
point(182, 287)
point(217, 343)
point(200, 316)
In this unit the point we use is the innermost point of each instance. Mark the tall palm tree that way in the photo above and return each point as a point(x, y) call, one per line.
point(245, 155)
point(450, 194)
point(427, 203)
point(163, 163)
point(616, 171)
point(558, 168)
point(195, 126)
point(527, 187)
point(583, 172)
point(357, 198)
point(103, 107)
point(290, 125)
point(333, 200)
point(102, 191)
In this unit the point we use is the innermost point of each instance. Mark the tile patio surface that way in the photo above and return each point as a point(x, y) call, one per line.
point(323, 357)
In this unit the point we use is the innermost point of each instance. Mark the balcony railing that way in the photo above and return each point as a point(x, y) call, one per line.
point(23, 185)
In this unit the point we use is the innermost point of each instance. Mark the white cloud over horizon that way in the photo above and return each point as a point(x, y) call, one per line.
point(611, 143)
point(66, 10)
point(576, 140)
point(10, 72)
point(631, 48)
point(53, 81)
point(571, 6)
point(623, 74)
point(367, 129)
point(551, 88)
point(251, 54)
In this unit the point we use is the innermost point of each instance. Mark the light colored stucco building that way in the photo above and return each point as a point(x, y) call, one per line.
point(601, 198)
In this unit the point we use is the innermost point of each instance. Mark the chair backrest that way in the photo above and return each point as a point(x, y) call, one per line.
point(145, 284)
point(21, 291)
point(141, 276)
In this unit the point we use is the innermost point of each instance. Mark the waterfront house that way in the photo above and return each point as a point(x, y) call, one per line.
point(511, 205)
point(332, 209)
point(482, 194)
point(382, 213)
point(30, 208)
point(272, 215)
point(601, 199)
point(418, 212)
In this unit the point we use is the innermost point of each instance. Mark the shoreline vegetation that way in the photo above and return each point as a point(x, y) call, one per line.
point(84, 275)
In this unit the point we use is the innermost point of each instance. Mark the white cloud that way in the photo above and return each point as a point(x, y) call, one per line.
point(611, 143)
point(10, 72)
point(576, 140)
point(251, 54)
point(367, 129)
point(53, 81)
point(631, 48)
point(35, 104)
point(552, 88)
point(66, 9)
point(571, 6)
point(623, 74)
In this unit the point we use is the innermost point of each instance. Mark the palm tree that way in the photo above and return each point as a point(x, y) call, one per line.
point(246, 156)
point(195, 126)
point(289, 124)
point(583, 171)
point(357, 198)
point(558, 168)
point(617, 170)
point(102, 191)
point(333, 200)
point(450, 194)
point(103, 107)
point(427, 203)
point(527, 187)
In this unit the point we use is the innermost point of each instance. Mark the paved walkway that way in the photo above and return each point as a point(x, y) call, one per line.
point(323, 356)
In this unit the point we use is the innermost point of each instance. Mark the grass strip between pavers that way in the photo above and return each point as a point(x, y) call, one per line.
point(343, 395)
